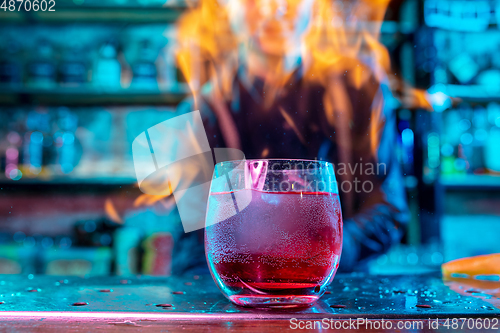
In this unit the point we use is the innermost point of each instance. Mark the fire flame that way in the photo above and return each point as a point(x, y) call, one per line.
point(337, 40)
point(332, 42)
point(340, 37)
point(112, 212)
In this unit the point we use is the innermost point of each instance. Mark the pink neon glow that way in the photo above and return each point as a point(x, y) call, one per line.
point(9, 168)
point(12, 154)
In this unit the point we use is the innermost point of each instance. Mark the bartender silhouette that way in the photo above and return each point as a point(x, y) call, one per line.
point(287, 79)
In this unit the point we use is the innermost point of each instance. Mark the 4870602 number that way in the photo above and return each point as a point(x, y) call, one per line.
point(472, 323)
point(28, 5)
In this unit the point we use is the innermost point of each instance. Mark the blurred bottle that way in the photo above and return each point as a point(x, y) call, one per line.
point(480, 132)
point(144, 72)
point(492, 158)
point(42, 68)
point(107, 68)
point(12, 158)
point(95, 232)
point(407, 141)
point(17, 255)
point(65, 140)
point(10, 66)
point(37, 141)
point(157, 259)
point(73, 70)
point(126, 247)
point(464, 163)
point(450, 141)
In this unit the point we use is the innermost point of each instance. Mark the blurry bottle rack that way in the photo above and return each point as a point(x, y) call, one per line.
point(77, 85)
point(81, 53)
point(457, 51)
point(104, 59)
point(467, 35)
point(62, 146)
point(460, 54)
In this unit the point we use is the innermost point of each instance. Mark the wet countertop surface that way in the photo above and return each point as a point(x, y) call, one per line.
point(196, 298)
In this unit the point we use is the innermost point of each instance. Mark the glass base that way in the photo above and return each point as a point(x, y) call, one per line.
point(273, 301)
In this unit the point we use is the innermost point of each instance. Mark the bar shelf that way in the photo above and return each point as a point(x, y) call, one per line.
point(91, 96)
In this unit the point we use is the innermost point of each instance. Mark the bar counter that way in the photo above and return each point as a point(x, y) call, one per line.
point(193, 303)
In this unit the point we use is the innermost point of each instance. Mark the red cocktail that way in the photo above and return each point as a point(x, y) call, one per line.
point(273, 245)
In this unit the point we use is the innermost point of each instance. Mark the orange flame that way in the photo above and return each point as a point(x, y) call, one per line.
point(112, 212)
point(205, 41)
point(335, 42)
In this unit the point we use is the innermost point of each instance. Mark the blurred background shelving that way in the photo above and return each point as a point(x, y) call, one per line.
point(461, 146)
point(76, 87)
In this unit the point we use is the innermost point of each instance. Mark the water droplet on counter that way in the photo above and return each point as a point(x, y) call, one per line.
point(424, 306)
point(164, 305)
point(178, 292)
point(106, 290)
point(80, 304)
point(472, 291)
